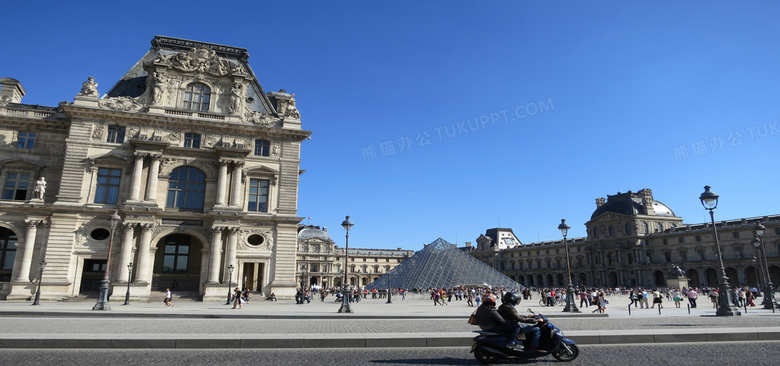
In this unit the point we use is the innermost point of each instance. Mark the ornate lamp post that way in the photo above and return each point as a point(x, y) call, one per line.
point(129, 277)
point(710, 202)
point(389, 301)
point(38, 291)
point(769, 294)
point(102, 303)
point(346, 224)
point(571, 306)
point(230, 279)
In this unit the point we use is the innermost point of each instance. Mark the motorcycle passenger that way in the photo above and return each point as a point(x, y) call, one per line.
point(490, 320)
point(507, 311)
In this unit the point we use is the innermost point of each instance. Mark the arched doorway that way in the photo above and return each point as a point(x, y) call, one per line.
point(658, 278)
point(583, 279)
point(8, 242)
point(774, 274)
point(177, 263)
point(711, 277)
point(539, 280)
point(751, 273)
point(612, 279)
point(560, 282)
point(549, 281)
point(734, 278)
point(693, 278)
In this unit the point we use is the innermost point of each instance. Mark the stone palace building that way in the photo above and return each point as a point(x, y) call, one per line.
point(200, 163)
point(633, 240)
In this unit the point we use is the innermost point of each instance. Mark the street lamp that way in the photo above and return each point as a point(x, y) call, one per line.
point(346, 224)
point(129, 276)
point(710, 202)
point(389, 301)
point(769, 293)
point(571, 306)
point(102, 303)
point(230, 279)
point(38, 291)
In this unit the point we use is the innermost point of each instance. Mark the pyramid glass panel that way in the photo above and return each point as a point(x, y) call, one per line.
point(442, 265)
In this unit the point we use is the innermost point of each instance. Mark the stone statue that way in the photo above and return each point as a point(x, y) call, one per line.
point(236, 97)
point(159, 88)
point(292, 110)
point(676, 271)
point(40, 188)
point(89, 87)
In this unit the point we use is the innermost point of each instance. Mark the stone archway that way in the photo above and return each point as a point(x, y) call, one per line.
point(659, 279)
point(711, 277)
point(177, 263)
point(693, 278)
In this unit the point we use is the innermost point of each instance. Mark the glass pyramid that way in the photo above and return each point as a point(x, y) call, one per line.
point(442, 265)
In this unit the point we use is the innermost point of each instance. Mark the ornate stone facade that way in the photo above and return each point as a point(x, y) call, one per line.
point(192, 153)
point(321, 262)
point(634, 240)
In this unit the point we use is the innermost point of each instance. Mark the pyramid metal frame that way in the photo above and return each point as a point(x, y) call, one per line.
point(442, 265)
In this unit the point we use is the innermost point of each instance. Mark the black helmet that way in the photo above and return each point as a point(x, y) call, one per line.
point(510, 297)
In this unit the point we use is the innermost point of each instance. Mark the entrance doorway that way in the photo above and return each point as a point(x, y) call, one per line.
point(177, 264)
point(91, 276)
point(253, 279)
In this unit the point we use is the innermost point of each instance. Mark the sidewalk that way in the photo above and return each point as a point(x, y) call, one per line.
point(413, 322)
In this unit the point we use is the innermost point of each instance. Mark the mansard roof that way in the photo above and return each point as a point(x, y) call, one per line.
point(207, 60)
point(442, 265)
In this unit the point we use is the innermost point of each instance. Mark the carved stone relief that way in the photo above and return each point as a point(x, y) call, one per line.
point(124, 104)
point(201, 60)
point(98, 131)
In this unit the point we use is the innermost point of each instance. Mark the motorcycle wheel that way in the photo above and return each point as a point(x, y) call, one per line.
point(566, 352)
point(484, 357)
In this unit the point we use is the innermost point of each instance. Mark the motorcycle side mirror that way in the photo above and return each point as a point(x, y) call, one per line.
point(529, 310)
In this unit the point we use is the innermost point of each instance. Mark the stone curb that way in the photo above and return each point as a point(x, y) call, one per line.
point(283, 316)
point(360, 340)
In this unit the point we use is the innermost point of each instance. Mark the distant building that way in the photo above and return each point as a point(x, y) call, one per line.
point(200, 162)
point(634, 240)
point(320, 263)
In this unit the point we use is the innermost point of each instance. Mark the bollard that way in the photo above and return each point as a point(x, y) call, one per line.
point(689, 309)
point(745, 304)
point(629, 309)
point(659, 309)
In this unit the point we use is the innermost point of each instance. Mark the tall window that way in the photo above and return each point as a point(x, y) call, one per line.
point(197, 97)
point(262, 148)
point(192, 140)
point(26, 140)
point(186, 188)
point(7, 253)
point(176, 256)
point(16, 186)
point(107, 190)
point(258, 195)
point(116, 134)
point(628, 229)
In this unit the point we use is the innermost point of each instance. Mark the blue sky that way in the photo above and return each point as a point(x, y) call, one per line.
point(444, 119)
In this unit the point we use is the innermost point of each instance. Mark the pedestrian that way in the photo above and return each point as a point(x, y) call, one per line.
point(676, 297)
point(658, 298)
point(645, 301)
point(168, 297)
point(237, 298)
point(584, 298)
point(692, 296)
point(470, 299)
point(714, 298)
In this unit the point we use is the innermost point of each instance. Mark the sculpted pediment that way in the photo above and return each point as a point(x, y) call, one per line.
point(202, 60)
point(23, 163)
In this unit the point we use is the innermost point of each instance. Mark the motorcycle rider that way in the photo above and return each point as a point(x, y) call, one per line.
point(490, 320)
point(507, 311)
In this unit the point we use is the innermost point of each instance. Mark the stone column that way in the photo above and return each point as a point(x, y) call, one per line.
point(127, 251)
point(222, 182)
point(143, 272)
point(153, 178)
point(135, 187)
point(29, 248)
point(238, 172)
point(231, 253)
point(216, 257)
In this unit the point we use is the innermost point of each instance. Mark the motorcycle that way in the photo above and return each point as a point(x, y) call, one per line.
point(490, 347)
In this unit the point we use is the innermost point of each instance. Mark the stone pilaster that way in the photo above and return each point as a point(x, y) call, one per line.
point(127, 251)
point(29, 247)
point(144, 269)
point(215, 255)
point(153, 178)
point(135, 185)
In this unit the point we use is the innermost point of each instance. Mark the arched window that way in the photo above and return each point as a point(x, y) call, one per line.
point(659, 228)
point(8, 242)
point(596, 233)
point(177, 254)
point(645, 228)
point(628, 229)
point(611, 230)
point(186, 188)
point(197, 97)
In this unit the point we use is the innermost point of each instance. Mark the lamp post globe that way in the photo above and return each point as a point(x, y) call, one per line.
point(347, 224)
point(769, 293)
point(709, 200)
point(571, 306)
point(105, 284)
point(42, 265)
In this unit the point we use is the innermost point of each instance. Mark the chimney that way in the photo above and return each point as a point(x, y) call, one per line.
point(11, 91)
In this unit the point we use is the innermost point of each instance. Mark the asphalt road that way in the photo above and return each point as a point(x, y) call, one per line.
point(743, 353)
